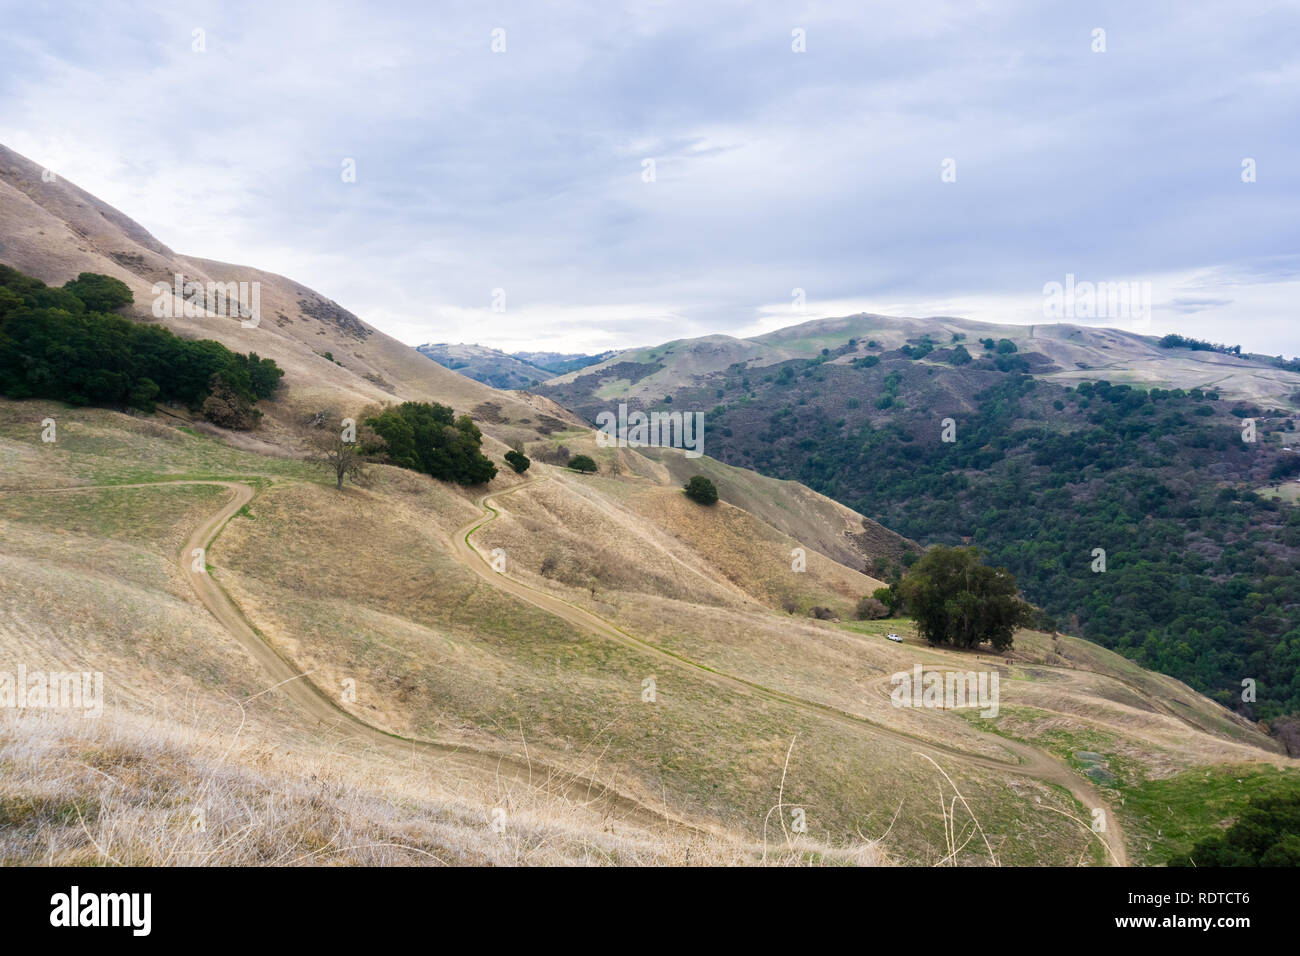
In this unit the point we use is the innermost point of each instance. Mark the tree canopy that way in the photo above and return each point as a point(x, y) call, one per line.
point(428, 437)
point(702, 490)
point(100, 293)
point(1266, 834)
point(957, 599)
point(59, 344)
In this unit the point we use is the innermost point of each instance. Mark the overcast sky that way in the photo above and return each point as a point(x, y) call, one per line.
point(524, 169)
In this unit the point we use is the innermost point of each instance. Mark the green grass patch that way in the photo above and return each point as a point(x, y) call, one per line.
point(1167, 817)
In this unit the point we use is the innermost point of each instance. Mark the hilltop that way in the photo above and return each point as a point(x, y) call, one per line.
point(1057, 352)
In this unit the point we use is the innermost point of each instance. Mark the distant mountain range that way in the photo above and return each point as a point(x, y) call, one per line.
point(506, 370)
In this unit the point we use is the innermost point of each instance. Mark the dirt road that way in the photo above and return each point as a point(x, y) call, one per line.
point(306, 695)
point(313, 701)
point(1033, 762)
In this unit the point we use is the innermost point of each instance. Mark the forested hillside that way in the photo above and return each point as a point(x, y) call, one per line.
point(1200, 563)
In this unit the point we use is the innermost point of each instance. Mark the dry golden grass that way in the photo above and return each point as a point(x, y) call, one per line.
point(599, 534)
point(365, 585)
point(368, 591)
point(139, 792)
point(89, 583)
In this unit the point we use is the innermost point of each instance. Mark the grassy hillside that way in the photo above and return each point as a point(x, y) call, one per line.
point(1200, 564)
point(333, 360)
point(614, 579)
point(1064, 353)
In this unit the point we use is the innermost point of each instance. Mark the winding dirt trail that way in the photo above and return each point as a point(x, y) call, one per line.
point(313, 701)
point(1033, 762)
point(306, 695)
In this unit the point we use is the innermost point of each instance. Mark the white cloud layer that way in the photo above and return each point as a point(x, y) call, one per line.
point(522, 170)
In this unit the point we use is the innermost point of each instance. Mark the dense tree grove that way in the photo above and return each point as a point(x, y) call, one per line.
point(429, 437)
point(1199, 579)
point(1175, 341)
point(59, 344)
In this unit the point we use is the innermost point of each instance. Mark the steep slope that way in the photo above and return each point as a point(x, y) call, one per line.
point(55, 230)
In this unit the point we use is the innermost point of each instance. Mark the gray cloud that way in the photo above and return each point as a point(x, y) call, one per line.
point(522, 170)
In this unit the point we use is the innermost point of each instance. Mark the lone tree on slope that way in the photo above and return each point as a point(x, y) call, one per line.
point(702, 490)
point(956, 599)
point(344, 448)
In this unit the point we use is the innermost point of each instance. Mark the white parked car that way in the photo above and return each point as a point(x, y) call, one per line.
point(895, 638)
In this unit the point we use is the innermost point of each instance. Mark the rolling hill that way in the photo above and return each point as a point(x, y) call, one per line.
point(1187, 486)
point(550, 668)
point(1059, 352)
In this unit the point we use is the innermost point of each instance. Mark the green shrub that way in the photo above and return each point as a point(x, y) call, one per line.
point(956, 599)
point(100, 293)
point(702, 490)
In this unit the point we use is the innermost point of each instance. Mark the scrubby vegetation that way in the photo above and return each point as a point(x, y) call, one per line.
point(518, 461)
point(63, 344)
point(870, 609)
